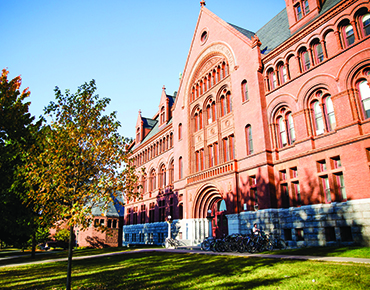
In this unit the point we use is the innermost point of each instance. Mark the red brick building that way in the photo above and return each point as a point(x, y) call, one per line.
point(270, 127)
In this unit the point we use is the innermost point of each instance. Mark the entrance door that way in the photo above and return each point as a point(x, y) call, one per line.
point(219, 222)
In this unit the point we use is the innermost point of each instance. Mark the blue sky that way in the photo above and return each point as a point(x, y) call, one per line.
point(131, 48)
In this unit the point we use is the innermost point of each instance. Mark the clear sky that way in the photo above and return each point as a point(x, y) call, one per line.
point(131, 48)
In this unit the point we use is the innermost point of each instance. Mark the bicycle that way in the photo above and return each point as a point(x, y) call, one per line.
point(279, 243)
point(171, 243)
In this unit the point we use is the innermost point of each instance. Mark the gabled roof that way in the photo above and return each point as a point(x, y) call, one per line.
point(149, 123)
point(114, 209)
point(275, 32)
point(246, 32)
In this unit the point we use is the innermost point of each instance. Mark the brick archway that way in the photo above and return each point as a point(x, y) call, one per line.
point(207, 196)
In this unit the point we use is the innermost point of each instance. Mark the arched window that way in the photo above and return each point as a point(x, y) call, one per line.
point(365, 24)
point(364, 91)
point(329, 113)
point(223, 105)
point(171, 140)
point(225, 101)
point(228, 148)
point(180, 168)
point(198, 120)
point(249, 139)
point(245, 94)
point(153, 184)
point(305, 60)
point(144, 184)
point(163, 116)
point(199, 160)
point(349, 36)
point(171, 169)
point(137, 135)
point(282, 73)
point(162, 177)
point(285, 127)
point(180, 131)
point(211, 111)
point(322, 113)
point(272, 79)
point(317, 51)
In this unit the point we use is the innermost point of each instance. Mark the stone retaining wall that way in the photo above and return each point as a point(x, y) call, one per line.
point(311, 225)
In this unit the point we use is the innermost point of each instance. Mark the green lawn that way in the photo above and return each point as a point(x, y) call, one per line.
point(157, 270)
point(352, 251)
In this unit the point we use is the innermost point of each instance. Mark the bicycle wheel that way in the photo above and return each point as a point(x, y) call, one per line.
point(205, 245)
point(269, 246)
point(281, 244)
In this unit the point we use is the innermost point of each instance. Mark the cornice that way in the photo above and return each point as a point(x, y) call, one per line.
point(311, 27)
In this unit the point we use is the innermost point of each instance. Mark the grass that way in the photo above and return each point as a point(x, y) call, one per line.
point(158, 270)
point(350, 251)
point(18, 257)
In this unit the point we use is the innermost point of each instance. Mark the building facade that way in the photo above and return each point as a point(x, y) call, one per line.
point(269, 127)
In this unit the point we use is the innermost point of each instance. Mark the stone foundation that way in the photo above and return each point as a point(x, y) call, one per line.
point(311, 225)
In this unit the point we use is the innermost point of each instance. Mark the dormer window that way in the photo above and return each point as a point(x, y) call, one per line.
point(137, 135)
point(301, 8)
point(163, 116)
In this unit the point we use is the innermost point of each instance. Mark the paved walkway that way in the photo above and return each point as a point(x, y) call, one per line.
point(197, 250)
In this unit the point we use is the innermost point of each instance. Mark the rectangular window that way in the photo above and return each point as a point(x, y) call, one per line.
point(293, 172)
point(254, 199)
point(335, 162)
point(330, 234)
point(326, 188)
point(297, 193)
point(306, 7)
point(285, 195)
point(321, 166)
point(231, 147)
point(162, 210)
point(151, 212)
point(298, 11)
point(339, 180)
point(142, 214)
point(282, 175)
point(201, 159)
point(288, 234)
point(346, 234)
point(248, 133)
point(226, 151)
point(299, 234)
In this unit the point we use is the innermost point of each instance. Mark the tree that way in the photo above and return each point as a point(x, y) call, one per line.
point(83, 162)
point(16, 136)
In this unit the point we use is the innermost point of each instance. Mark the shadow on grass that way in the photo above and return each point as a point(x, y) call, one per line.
point(350, 251)
point(143, 270)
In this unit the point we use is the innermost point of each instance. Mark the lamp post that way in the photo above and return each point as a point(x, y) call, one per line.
point(210, 218)
point(169, 221)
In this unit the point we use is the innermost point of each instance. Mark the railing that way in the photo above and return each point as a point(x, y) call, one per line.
point(214, 171)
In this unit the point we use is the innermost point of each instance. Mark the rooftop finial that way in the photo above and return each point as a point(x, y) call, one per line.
point(202, 3)
point(163, 88)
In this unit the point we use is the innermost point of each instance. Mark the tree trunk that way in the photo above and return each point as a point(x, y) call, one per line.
point(33, 253)
point(69, 271)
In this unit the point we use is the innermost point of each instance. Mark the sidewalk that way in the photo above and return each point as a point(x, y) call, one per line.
point(197, 250)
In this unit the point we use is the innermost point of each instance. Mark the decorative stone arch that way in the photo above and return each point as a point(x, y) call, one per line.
point(218, 48)
point(325, 81)
point(350, 68)
point(221, 92)
point(205, 198)
point(278, 101)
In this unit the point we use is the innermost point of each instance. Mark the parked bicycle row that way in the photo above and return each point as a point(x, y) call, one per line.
point(252, 243)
